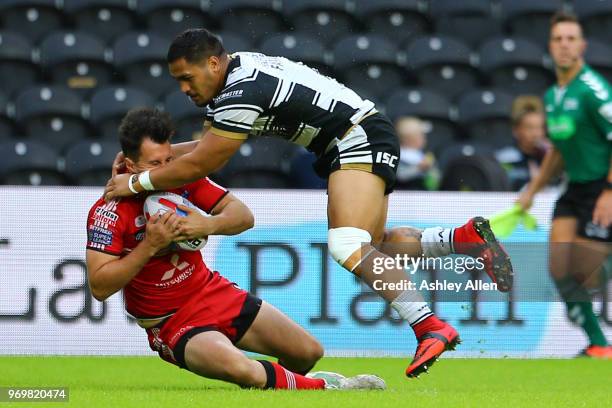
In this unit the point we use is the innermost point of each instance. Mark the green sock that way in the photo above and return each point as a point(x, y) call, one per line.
point(580, 309)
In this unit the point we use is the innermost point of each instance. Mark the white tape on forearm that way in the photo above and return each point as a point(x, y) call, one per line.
point(145, 180)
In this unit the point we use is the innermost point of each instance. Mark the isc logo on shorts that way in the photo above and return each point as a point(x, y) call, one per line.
point(386, 158)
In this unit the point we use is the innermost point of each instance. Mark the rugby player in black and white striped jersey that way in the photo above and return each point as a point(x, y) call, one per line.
point(357, 149)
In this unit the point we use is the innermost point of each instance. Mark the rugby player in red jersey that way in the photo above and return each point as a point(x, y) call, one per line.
point(251, 94)
point(194, 317)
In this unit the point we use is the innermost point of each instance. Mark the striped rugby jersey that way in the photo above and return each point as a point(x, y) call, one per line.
point(274, 96)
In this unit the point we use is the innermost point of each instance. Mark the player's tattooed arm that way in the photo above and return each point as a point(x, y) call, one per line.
point(108, 273)
point(210, 154)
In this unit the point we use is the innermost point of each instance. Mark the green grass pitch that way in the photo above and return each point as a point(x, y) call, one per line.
point(150, 382)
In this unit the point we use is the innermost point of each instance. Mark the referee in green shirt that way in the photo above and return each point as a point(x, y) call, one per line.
point(579, 122)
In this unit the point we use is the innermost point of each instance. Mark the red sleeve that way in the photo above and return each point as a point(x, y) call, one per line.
point(205, 194)
point(105, 228)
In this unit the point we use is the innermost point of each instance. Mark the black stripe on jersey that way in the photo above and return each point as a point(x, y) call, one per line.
point(332, 106)
point(290, 92)
point(230, 127)
point(357, 153)
point(268, 121)
point(298, 133)
point(279, 86)
point(357, 147)
point(233, 122)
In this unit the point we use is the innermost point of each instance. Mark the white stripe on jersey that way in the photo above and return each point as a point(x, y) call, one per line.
point(238, 106)
point(234, 124)
point(357, 153)
point(360, 159)
point(356, 137)
point(241, 118)
point(239, 75)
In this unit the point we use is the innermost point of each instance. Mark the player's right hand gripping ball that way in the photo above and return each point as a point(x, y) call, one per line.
point(162, 202)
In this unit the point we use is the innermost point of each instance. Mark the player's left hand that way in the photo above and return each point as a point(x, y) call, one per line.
point(602, 215)
point(117, 187)
point(194, 225)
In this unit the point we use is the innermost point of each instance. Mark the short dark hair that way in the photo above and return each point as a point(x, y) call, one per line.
point(141, 123)
point(195, 44)
point(563, 17)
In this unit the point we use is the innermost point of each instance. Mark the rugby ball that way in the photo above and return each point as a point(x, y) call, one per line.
point(163, 202)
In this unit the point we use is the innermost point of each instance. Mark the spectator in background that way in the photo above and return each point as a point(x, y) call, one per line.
point(523, 160)
point(416, 169)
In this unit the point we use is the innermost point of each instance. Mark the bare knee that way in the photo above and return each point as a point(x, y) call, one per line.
point(313, 352)
point(304, 357)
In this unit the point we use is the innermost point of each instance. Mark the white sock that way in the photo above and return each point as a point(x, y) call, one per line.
point(411, 307)
point(437, 241)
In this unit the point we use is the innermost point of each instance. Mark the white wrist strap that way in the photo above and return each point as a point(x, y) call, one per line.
point(131, 183)
point(145, 180)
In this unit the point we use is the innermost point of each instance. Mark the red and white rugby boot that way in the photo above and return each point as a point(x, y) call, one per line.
point(434, 337)
point(476, 239)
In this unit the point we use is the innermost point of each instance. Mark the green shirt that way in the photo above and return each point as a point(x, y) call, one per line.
point(579, 121)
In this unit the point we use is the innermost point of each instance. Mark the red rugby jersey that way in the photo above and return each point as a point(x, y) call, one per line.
point(168, 281)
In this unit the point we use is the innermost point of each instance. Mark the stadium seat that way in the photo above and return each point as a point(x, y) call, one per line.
point(365, 93)
point(596, 18)
point(472, 168)
point(186, 116)
point(261, 162)
point(298, 47)
point(529, 18)
point(599, 56)
point(170, 17)
point(443, 64)
point(76, 60)
point(105, 19)
point(234, 43)
point(515, 65)
point(88, 163)
point(141, 58)
point(369, 62)
point(110, 104)
point(399, 20)
point(16, 57)
point(29, 163)
point(7, 126)
point(429, 106)
point(325, 20)
point(485, 117)
point(51, 115)
point(472, 21)
point(30, 18)
point(253, 19)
